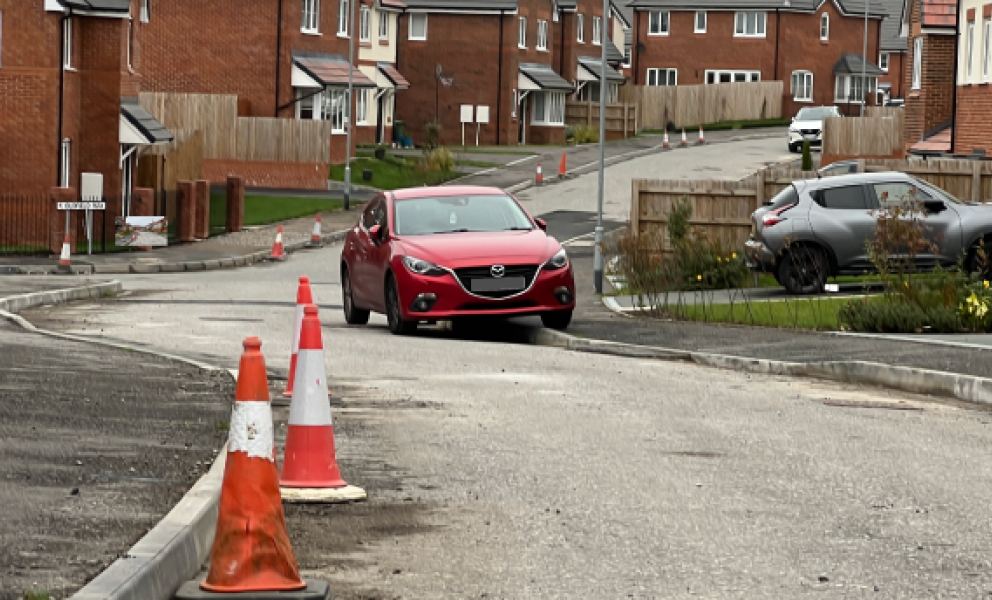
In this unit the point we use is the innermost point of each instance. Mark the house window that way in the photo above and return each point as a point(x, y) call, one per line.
point(626, 57)
point(750, 24)
point(542, 35)
point(987, 54)
point(700, 22)
point(596, 30)
point(548, 108)
point(362, 107)
point(64, 158)
point(513, 102)
point(305, 103)
point(145, 11)
point(721, 76)
point(883, 61)
point(67, 43)
point(522, 33)
point(824, 27)
point(658, 23)
point(334, 108)
point(130, 41)
point(802, 86)
point(582, 28)
point(850, 89)
point(554, 12)
point(662, 77)
point(917, 62)
point(311, 16)
point(418, 27)
point(343, 13)
point(971, 50)
point(364, 33)
point(383, 26)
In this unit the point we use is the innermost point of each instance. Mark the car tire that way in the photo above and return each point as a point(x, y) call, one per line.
point(558, 319)
point(803, 270)
point(793, 148)
point(352, 314)
point(397, 324)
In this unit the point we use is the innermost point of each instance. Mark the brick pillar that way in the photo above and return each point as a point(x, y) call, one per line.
point(187, 210)
point(143, 202)
point(202, 228)
point(56, 219)
point(235, 204)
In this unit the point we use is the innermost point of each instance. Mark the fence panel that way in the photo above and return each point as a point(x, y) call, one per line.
point(967, 180)
point(862, 136)
point(283, 140)
point(621, 119)
point(24, 224)
point(692, 105)
point(215, 115)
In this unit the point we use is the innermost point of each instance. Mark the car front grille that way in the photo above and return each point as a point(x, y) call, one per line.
point(811, 132)
point(467, 274)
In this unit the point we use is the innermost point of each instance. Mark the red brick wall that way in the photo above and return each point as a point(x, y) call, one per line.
point(304, 176)
point(973, 122)
point(932, 104)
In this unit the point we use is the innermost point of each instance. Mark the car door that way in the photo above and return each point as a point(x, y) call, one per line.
point(377, 260)
point(360, 276)
point(942, 228)
point(842, 220)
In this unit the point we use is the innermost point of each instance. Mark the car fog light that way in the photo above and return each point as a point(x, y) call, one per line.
point(563, 294)
point(423, 303)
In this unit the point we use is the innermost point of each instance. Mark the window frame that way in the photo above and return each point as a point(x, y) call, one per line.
point(695, 22)
point(580, 22)
point(807, 77)
point(337, 118)
point(849, 88)
point(145, 12)
point(344, 18)
point(304, 101)
point(362, 106)
point(130, 43)
point(597, 30)
point(383, 24)
point(67, 44)
point(553, 108)
point(969, 68)
point(917, 63)
point(364, 24)
point(627, 58)
point(664, 24)
point(740, 24)
point(522, 33)
point(888, 58)
point(554, 12)
point(670, 73)
point(732, 73)
point(311, 17)
point(65, 162)
point(987, 52)
point(825, 27)
point(410, 35)
point(542, 35)
point(514, 101)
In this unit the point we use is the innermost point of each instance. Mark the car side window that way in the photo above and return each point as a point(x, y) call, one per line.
point(848, 197)
point(368, 215)
point(898, 193)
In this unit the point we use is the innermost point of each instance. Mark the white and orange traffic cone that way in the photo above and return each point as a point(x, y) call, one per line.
point(310, 470)
point(251, 550)
point(65, 259)
point(664, 142)
point(539, 178)
point(277, 251)
point(684, 141)
point(702, 140)
point(563, 167)
point(315, 238)
point(304, 296)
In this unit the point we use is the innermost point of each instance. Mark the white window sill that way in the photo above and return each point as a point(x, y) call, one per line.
point(69, 69)
point(365, 41)
point(310, 32)
point(597, 43)
point(344, 36)
point(699, 31)
point(749, 37)
point(414, 39)
point(521, 47)
point(805, 100)
point(579, 42)
point(384, 39)
point(338, 132)
point(542, 49)
point(538, 124)
point(660, 34)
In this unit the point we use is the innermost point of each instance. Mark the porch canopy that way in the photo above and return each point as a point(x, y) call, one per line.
point(851, 64)
point(538, 77)
point(138, 127)
point(590, 69)
point(388, 77)
point(316, 70)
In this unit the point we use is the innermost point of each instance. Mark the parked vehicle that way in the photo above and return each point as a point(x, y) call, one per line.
point(841, 167)
point(807, 125)
point(818, 228)
point(443, 253)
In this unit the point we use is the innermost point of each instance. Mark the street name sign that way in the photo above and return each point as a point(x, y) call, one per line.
point(82, 206)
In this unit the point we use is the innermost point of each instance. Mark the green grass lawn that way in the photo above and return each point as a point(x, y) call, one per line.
point(807, 313)
point(262, 210)
point(389, 174)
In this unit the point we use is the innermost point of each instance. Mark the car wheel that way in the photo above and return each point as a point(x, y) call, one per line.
point(558, 319)
point(793, 148)
point(352, 314)
point(397, 325)
point(803, 271)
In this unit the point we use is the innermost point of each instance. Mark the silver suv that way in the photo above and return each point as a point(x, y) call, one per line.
point(819, 228)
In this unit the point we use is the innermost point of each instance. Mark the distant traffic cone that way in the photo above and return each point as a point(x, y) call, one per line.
point(309, 469)
point(684, 142)
point(251, 550)
point(702, 140)
point(315, 238)
point(277, 253)
point(65, 259)
point(304, 296)
point(563, 167)
point(540, 176)
point(664, 141)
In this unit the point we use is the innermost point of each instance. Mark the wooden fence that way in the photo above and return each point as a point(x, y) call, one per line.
point(693, 105)
point(879, 135)
point(621, 119)
point(967, 180)
point(283, 140)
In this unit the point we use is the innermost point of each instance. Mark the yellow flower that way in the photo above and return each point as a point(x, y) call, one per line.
point(986, 284)
point(734, 255)
point(699, 277)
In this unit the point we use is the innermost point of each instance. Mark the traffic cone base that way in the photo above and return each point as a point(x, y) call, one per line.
point(316, 589)
point(341, 495)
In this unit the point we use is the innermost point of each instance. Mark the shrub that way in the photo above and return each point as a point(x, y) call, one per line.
point(807, 157)
point(433, 138)
point(898, 317)
point(586, 134)
point(438, 160)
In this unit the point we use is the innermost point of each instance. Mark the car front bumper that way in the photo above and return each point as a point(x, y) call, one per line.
point(450, 300)
point(797, 138)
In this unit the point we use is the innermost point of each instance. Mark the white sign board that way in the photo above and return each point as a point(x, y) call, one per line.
point(466, 113)
point(82, 205)
point(482, 114)
point(91, 186)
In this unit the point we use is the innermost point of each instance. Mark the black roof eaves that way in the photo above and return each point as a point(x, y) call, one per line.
point(145, 123)
point(623, 18)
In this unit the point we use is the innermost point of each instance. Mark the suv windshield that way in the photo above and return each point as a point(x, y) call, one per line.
point(450, 214)
point(816, 113)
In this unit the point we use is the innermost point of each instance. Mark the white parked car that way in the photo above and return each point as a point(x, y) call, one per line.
point(807, 125)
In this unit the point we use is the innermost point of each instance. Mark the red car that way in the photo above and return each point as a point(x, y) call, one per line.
point(441, 253)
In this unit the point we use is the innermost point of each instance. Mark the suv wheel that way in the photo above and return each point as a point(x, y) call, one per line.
point(803, 270)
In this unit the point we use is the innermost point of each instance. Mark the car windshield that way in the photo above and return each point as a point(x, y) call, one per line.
point(816, 113)
point(451, 214)
point(935, 192)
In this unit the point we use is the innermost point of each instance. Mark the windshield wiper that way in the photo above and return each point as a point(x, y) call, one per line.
point(518, 229)
point(454, 231)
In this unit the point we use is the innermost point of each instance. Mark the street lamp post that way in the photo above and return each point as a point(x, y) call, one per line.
point(351, 68)
point(597, 257)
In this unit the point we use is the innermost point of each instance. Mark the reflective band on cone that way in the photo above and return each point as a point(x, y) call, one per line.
point(315, 236)
point(304, 296)
point(65, 259)
point(277, 252)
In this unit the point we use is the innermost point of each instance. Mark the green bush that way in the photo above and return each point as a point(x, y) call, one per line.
point(807, 157)
point(438, 160)
point(898, 317)
point(433, 139)
point(585, 134)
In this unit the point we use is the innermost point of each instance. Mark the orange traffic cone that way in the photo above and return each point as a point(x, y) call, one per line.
point(702, 140)
point(304, 296)
point(310, 470)
point(65, 259)
point(277, 253)
point(315, 239)
point(540, 176)
point(251, 550)
point(563, 167)
point(684, 142)
point(664, 141)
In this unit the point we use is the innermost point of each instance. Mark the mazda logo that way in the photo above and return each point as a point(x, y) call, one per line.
point(497, 270)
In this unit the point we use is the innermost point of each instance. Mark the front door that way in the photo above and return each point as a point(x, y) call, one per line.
point(379, 119)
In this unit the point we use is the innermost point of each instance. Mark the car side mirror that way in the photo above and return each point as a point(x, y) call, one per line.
point(375, 233)
point(541, 224)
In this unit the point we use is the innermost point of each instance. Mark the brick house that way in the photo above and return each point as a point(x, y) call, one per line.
point(806, 43)
point(520, 59)
point(930, 27)
point(892, 57)
point(70, 73)
point(378, 24)
point(973, 107)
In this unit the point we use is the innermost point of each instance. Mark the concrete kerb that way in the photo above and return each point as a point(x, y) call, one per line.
point(18, 303)
point(173, 551)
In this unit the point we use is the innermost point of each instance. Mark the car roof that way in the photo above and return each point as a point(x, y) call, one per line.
point(855, 178)
point(448, 190)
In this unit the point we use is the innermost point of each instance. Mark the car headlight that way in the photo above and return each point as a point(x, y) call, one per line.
point(422, 267)
point(793, 129)
point(558, 261)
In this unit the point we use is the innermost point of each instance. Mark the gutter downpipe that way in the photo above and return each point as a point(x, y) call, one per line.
point(954, 91)
point(778, 35)
point(278, 54)
point(58, 145)
point(499, 79)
